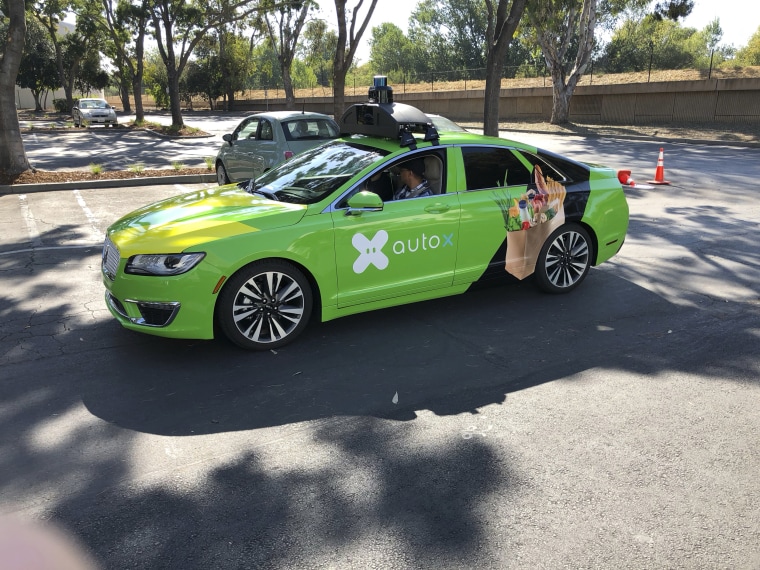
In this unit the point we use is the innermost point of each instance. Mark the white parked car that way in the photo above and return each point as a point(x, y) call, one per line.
point(93, 112)
point(264, 140)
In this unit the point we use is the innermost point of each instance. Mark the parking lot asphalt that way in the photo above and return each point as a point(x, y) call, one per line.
point(612, 427)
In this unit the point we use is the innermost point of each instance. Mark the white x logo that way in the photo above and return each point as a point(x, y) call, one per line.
point(370, 251)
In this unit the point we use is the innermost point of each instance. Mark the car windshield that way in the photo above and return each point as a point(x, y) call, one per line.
point(316, 173)
point(442, 124)
point(93, 104)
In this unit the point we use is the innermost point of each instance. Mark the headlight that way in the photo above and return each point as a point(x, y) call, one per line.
point(163, 264)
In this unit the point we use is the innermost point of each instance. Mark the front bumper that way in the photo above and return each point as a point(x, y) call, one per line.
point(152, 314)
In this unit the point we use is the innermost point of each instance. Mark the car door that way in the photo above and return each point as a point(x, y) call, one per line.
point(497, 235)
point(265, 152)
point(407, 248)
point(240, 154)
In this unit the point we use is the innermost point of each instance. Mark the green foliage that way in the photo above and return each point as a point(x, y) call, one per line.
point(673, 9)
point(156, 79)
point(61, 106)
point(318, 50)
point(38, 71)
point(750, 54)
point(666, 44)
point(448, 35)
point(391, 51)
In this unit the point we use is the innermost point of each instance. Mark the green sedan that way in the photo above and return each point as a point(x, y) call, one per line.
point(335, 231)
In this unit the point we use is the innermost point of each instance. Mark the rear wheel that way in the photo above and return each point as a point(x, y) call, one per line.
point(221, 175)
point(564, 260)
point(265, 305)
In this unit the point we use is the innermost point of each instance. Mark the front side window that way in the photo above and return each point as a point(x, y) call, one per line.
point(247, 129)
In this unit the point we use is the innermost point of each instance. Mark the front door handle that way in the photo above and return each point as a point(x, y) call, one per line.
point(437, 208)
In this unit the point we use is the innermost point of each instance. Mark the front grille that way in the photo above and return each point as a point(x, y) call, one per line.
point(111, 258)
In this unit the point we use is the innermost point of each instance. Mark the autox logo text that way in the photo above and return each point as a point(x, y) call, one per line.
point(371, 250)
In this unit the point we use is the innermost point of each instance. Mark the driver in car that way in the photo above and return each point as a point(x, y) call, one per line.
point(415, 185)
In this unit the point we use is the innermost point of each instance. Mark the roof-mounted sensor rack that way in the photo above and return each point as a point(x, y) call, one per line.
point(381, 117)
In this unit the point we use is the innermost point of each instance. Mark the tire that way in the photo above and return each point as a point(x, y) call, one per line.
point(265, 305)
point(221, 175)
point(564, 260)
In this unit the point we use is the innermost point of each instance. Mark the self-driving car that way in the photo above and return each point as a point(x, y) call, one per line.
point(323, 235)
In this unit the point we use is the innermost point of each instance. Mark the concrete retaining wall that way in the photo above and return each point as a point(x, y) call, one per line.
point(704, 101)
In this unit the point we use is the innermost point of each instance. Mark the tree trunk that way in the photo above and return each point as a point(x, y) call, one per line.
point(339, 95)
point(124, 94)
point(492, 92)
point(560, 104)
point(138, 79)
point(13, 160)
point(37, 100)
point(501, 30)
point(287, 85)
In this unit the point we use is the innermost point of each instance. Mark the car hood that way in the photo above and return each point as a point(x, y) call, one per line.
point(182, 222)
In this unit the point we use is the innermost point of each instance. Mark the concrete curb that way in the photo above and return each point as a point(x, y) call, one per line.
point(108, 183)
point(113, 132)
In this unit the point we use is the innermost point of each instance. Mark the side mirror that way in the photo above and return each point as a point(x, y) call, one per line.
point(227, 138)
point(364, 201)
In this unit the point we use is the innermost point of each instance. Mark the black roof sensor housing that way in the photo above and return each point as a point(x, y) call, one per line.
point(386, 119)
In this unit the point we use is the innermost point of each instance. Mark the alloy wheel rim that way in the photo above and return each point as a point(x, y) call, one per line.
point(567, 259)
point(268, 307)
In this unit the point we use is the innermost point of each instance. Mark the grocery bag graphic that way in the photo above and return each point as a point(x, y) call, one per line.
point(530, 219)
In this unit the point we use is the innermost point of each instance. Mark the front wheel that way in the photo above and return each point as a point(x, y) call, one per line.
point(564, 260)
point(265, 305)
point(221, 175)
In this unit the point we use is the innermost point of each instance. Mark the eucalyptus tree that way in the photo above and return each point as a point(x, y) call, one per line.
point(178, 27)
point(349, 36)
point(38, 71)
point(72, 48)
point(449, 35)
point(125, 22)
point(50, 14)
point(13, 160)
point(318, 49)
point(284, 25)
point(502, 25)
point(565, 31)
point(391, 52)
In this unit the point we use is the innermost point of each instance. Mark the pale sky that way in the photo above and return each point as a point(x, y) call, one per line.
point(739, 19)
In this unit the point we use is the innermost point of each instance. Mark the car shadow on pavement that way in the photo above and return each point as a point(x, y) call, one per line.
point(448, 356)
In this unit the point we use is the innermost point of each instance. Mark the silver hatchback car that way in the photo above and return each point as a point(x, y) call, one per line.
point(264, 140)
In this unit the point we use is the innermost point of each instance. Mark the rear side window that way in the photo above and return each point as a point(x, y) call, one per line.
point(493, 167)
point(310, 129)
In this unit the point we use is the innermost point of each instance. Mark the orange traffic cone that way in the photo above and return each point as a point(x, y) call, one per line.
point(624, 176)
point(659, 174)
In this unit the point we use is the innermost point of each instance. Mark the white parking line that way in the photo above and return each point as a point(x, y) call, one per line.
point(31, 225)
point(94, 223)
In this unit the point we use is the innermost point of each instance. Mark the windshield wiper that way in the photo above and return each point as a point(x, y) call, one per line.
point(252, 189)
